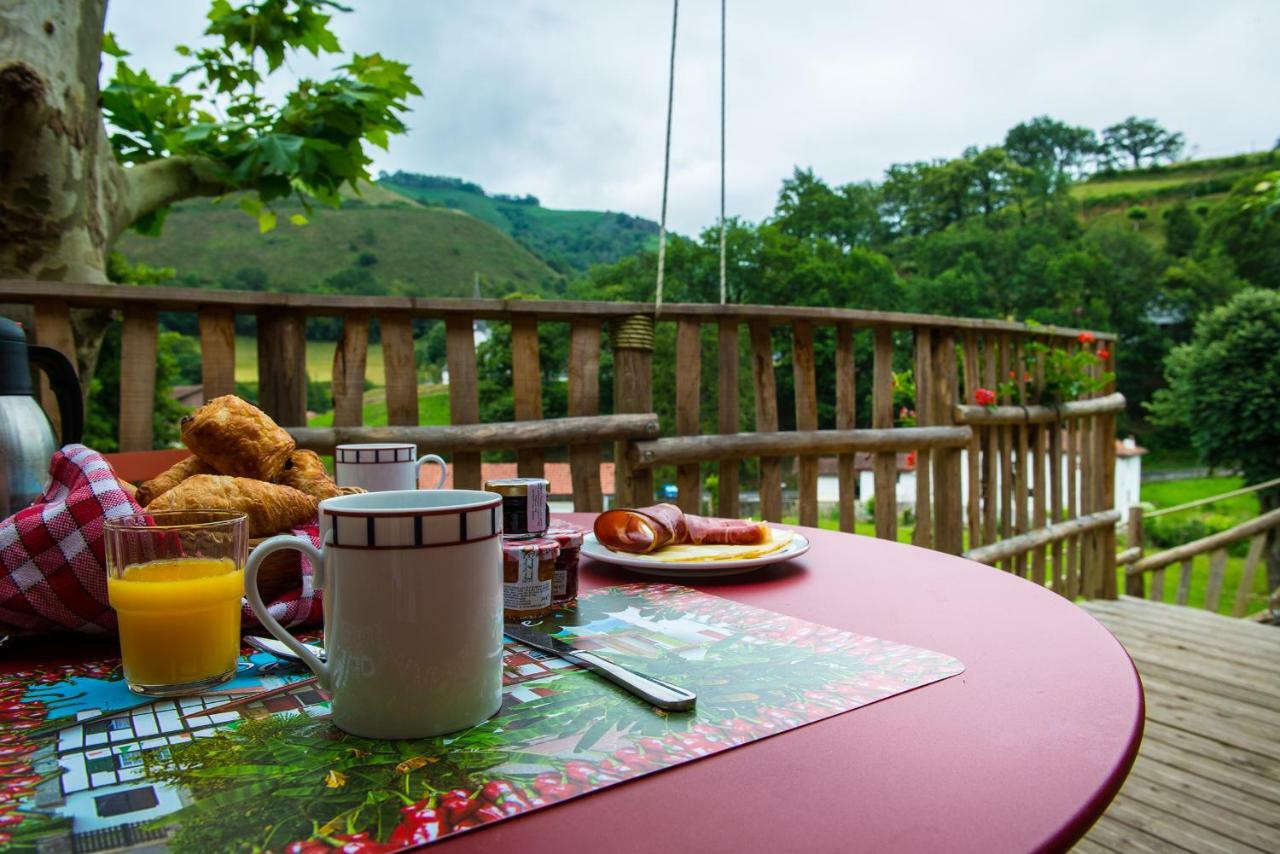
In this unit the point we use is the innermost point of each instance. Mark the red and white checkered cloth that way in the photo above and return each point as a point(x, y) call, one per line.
point(53, 573)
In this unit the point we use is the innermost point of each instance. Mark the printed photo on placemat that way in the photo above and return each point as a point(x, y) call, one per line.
point(260, 768)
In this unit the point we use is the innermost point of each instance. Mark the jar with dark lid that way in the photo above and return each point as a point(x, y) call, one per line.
point(528, 572)
point(524, 505)
point(569, 537)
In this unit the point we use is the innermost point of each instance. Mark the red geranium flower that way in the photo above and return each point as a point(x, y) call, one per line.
point(1103, 355)
point(911, 458)
point(984, 397)
point(1085, 338)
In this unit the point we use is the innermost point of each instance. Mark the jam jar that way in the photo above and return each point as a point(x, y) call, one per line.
point(568, 536)
point(528, 572)
point(524, 505)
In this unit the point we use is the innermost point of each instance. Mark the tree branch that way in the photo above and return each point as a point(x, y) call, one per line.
point(155, 185)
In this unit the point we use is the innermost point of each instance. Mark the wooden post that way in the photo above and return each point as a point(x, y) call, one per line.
point(1058, 570)
point(53, 329)
point(727, 367)
point(526, 381)
point(1133, 584)
point(217, 351)
point(973, 465)
point(806, 391)
point(137, 378)
point(282, 366)
point(1107, 430)
point(1073, 506)
point(632, 392)
point(350, 358)
point(688, 369)
point(948, 514)
point(401, 366)
point(464, 395)
point(846, 402)
point(923, 534)
point(584, 400)
point(766, 418)
point(885, 466)
point(1022, 467)
point(990, 447)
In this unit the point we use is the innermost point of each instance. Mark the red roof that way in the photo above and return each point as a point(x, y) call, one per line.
point(556, 473)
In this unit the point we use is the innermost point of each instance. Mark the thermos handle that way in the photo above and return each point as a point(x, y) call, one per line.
point(66, 387)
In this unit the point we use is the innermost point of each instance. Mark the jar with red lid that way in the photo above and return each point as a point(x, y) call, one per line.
point(528, 572)
point(568, 536)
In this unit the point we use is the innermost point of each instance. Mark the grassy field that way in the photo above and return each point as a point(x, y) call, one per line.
point(1144, 184)
point(433, 408)
point(1171, 493)
point(404, 248)
point(319, 361)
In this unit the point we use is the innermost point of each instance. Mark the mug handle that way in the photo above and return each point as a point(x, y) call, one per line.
point(260, 554)
point(432, 458)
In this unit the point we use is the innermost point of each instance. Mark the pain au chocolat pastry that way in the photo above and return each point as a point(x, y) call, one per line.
point(171, 477)
point(237, 438)
point(305, 472)
point(648, 529)
point(271, 507)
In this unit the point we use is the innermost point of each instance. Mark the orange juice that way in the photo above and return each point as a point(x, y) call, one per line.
point(179, 619)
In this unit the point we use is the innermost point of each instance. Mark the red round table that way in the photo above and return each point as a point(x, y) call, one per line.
point(1021, 752)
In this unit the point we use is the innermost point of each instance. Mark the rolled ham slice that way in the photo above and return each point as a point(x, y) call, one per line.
point(648, 529)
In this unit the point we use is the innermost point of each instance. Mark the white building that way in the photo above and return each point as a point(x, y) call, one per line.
point(1128, 478)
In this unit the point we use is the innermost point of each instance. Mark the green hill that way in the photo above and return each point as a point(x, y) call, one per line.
point(378, 243)
point(1192, 179)
point(568, 240)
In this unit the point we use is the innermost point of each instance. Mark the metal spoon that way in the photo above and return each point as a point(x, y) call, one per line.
point(271, 646)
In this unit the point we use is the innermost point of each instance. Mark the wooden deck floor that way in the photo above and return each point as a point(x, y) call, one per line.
point(1207, 777)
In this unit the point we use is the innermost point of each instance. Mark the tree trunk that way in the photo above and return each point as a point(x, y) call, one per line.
point(64, 198)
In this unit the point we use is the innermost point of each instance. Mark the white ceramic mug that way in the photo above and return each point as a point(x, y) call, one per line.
point(412, 586)
point(383, 466)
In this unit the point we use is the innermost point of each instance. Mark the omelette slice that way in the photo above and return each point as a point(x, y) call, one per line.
point(687, 553)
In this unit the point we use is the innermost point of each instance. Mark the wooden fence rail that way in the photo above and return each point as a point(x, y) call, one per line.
point(1019, 468)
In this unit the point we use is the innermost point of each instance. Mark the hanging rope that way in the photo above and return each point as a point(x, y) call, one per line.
point(666, 162)
point(723, 289)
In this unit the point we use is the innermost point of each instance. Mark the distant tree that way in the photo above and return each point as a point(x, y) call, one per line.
point(1246, 228)
point(1181, 230)
point(1136, 215)
point(1141, 140)
point(1222, 391)
point(1055, 151)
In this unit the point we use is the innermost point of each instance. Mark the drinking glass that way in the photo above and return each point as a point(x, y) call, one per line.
point(175, 579)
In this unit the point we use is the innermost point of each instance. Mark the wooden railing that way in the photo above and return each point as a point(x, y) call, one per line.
point(996, 458)
point(1145, 574)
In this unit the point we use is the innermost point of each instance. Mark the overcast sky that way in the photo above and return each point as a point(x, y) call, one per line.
point(566, 99)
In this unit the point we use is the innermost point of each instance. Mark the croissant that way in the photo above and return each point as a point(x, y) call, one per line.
point(271, 507)
point(305, 472)
point(171, 477)
point(237, 438)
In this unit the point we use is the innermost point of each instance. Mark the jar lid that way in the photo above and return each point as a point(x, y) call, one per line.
point(543, 548)
point(567, 534)
point(515, 487)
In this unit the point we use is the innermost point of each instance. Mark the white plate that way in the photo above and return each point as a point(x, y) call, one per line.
point(696, 569)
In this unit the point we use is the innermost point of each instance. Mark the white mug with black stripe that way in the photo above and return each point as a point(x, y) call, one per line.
point(412, 583)
point(383, 466)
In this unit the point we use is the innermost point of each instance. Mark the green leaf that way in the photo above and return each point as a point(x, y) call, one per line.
point(266, 221)
point(297, 219)
point(111, 47)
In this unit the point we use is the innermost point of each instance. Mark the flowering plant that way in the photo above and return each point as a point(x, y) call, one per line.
point(1067, 376)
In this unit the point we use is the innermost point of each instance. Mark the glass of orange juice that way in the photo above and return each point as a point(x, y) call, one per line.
point(175, 579)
